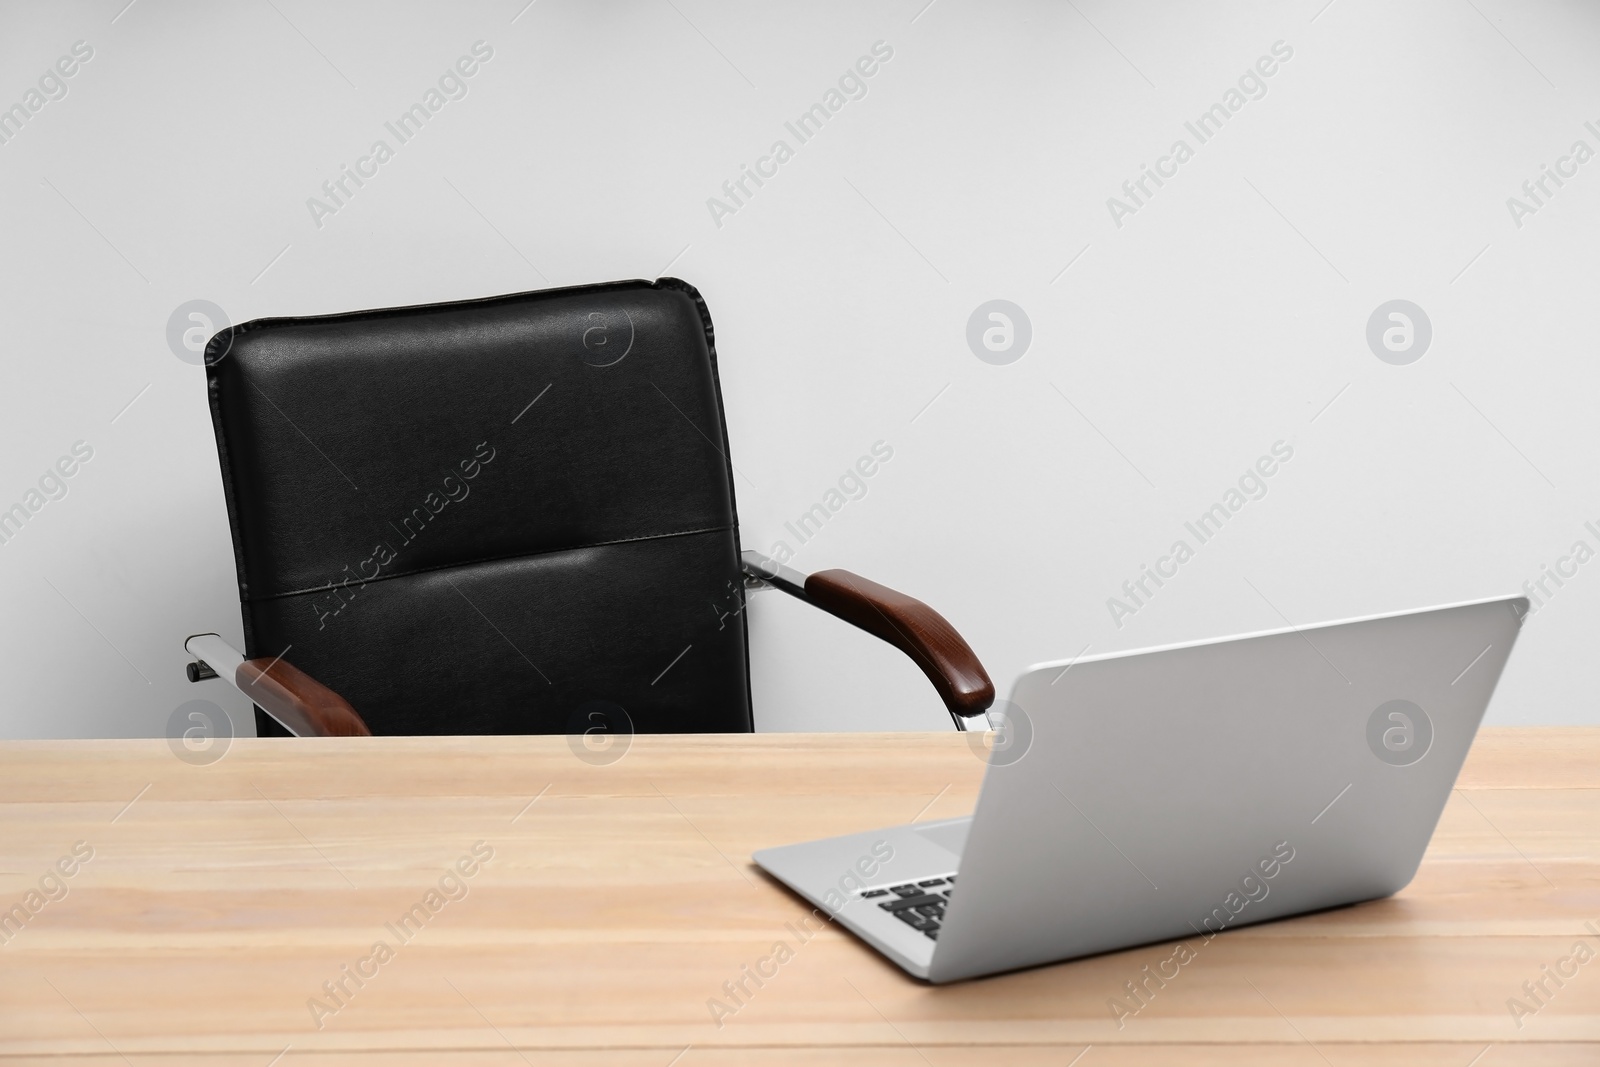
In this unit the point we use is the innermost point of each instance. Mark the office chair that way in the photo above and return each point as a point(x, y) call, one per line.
point(509, 515)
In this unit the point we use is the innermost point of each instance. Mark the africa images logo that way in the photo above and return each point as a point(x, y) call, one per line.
point(606, 337)
point(999, 332)
point(1399, 733)
point(1399, 332)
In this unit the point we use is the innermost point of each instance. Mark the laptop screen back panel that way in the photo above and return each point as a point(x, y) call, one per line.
point(1185, 791)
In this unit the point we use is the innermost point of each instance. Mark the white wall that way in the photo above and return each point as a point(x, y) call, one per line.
point(1221, 317)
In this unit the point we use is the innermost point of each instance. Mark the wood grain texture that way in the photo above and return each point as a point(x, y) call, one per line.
point(619, 898)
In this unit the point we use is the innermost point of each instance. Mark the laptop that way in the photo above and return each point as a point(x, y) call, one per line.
point(1178, 792)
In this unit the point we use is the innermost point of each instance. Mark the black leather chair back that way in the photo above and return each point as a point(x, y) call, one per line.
point(492, 516)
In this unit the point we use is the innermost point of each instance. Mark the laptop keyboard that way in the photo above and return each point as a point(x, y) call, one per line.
point(920, 905)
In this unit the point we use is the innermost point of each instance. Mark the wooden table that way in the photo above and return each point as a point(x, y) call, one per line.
point(620, 898)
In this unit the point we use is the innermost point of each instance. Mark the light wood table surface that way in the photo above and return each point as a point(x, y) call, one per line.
point(619, 898)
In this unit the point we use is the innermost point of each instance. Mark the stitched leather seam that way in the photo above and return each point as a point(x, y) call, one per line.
point(490, 559)
point(219, 346)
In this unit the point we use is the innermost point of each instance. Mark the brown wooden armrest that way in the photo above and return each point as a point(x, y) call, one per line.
point(915, 629)
point(304, 705)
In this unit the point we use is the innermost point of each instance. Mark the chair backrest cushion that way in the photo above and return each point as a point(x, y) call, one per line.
point(494, 516)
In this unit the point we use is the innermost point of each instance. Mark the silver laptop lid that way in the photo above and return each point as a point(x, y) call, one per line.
point(1168, 793)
